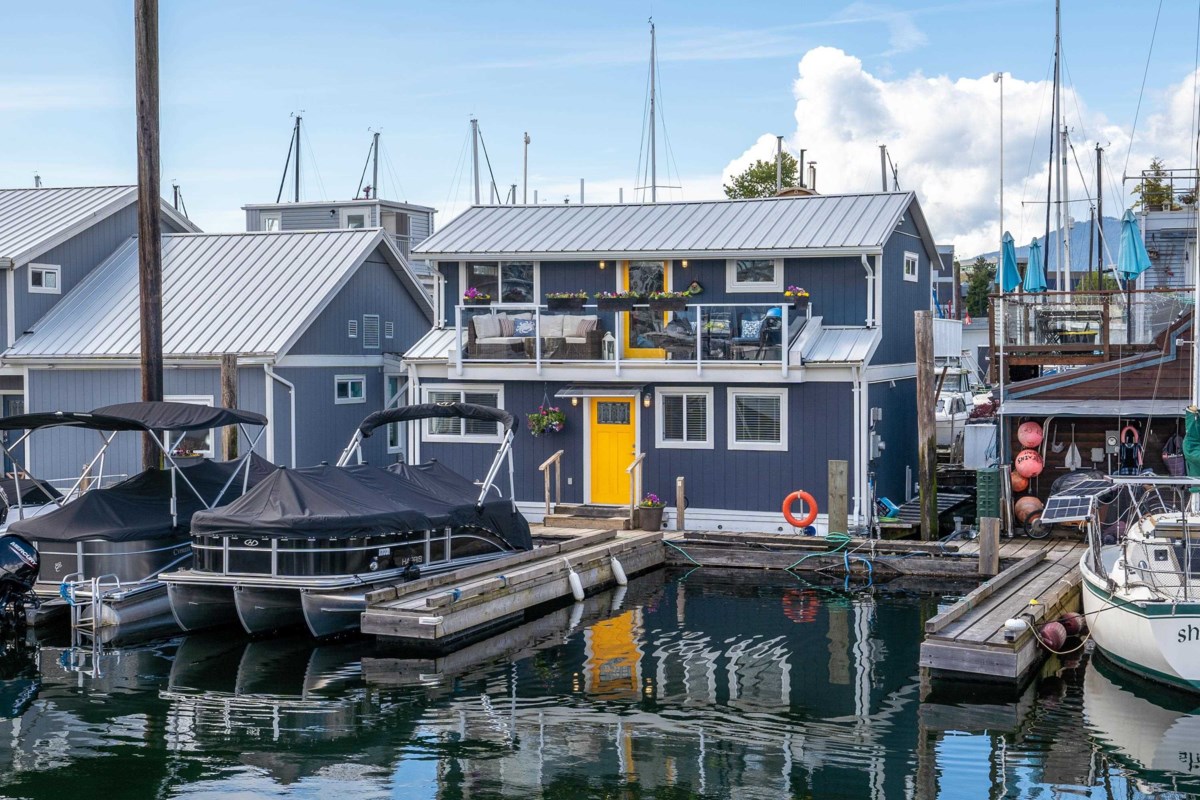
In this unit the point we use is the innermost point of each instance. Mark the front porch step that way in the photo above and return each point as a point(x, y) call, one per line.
point(589, 516)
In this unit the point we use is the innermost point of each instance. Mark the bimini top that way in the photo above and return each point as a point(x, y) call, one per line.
point(356, 501)
point(164, 416)
point(72, 419)
point(428, 410)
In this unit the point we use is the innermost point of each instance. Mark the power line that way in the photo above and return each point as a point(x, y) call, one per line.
point(1142, 91)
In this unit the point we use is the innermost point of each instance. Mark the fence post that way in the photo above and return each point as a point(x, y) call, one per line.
point(837, 514)
point(989, 546)
point(680, 503)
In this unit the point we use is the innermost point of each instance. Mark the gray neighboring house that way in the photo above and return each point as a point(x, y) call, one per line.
point(406, 224)
point(318, 320)
point(51, 238)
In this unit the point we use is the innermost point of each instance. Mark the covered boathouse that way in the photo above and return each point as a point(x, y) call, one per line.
point(744, 394)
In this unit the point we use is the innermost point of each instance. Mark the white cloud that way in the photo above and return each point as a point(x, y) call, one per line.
point(943, 134)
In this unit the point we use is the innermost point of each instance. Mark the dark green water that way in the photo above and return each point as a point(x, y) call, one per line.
point(717, 684)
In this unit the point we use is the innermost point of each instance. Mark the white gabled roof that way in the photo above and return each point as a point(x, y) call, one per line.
point(243, 293)
point(773, 226)
point(34, 220)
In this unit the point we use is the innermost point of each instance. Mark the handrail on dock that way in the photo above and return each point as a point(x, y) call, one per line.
point(634, 471)
point(556, 460)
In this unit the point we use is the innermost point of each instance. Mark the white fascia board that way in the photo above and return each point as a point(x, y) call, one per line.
point(654, 255)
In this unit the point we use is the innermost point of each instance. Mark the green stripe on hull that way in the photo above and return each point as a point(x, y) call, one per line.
point(1148, 610)
point(1153, 674)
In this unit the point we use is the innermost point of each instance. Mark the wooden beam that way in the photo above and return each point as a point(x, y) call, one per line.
point(680, 503)
point(145, 21)
point(229, 433)
point(989, 546)
point(926, 424)
point(838, 512)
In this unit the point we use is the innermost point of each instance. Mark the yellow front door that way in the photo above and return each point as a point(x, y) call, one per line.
point(613, 442)
point(644, 277)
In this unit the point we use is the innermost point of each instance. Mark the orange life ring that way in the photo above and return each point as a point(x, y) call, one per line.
point(809, 500)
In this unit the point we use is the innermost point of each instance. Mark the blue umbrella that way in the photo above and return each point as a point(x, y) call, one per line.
point(1009, 277)
point(1132, 260)
point(1035, 272)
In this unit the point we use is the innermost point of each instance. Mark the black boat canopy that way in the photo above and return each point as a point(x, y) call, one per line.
point(74, 419)
point(165, 416)
point(429, 410)
point(343, 502)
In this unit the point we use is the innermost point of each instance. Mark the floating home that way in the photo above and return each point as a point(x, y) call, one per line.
point(317, 320)
point(745, 408)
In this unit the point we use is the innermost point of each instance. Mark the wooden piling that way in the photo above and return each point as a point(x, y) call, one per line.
point(837, 511)
point(229, 434)
point(680, 503)
point(989, 546)
point(926, 424)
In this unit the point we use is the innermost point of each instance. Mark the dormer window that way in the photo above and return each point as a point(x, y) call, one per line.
point(356, 217)
point(44, 279)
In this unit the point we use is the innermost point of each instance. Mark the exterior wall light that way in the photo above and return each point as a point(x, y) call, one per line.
point(646, 400)
point(685, 263)
point(574, 401)
point(601, 265)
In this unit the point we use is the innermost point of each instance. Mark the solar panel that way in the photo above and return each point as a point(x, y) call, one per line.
point(1067, 508)
point(1088, 488)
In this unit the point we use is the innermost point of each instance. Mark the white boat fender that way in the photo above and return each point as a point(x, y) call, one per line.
point(618, 598)
point(576, 583)
point(618, 572)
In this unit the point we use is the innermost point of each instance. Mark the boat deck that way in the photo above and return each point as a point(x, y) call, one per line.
point(968, 639)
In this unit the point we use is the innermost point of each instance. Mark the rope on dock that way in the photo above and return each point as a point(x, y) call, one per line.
point(685, 553)
point(842, 539)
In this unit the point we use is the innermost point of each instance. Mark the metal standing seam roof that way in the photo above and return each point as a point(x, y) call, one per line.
point(853, 223)
point(436, 345)
point(842, 346)
point(245, 293)
point(31, 218)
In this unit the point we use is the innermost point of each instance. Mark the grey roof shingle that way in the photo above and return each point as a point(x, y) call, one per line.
point(32, 219)
point(244, 293)
point(851, 223)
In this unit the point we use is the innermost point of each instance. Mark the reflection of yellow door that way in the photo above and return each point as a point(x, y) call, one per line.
point(643, 277)
point(614, 656)
point(612, 442)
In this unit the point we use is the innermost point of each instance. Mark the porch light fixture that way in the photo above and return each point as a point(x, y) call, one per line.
point(601, 265)
point(646, 400)
point(574, 401)
point(685, 263)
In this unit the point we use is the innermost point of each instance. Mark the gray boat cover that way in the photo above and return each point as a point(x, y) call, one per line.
point(341, 502)
point(139, 507)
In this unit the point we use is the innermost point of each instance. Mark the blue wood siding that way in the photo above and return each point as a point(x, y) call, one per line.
point(322, 426)
point(819, 429)
point(62, 453)
point(900, 297)
point(899, 406)
point(420, 226)
point(77, 256)
point(374, 289)
point(309, 218)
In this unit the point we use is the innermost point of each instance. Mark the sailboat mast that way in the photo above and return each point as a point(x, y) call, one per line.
point(653, 147)
point(1196, 287)
point(475, 155)
point(297, 135)
point(1061, 250)
point(375, 165)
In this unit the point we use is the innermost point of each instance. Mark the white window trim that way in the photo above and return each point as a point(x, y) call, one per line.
point(395, 402)
point(660, 410)
point(731, 421)
point(732, 285)
point(426, 436)
point(352, 329)
point(389, 329)
point(916, 262)
point(263, 216)
point(193, 400)
point(348, 211)
point(537, 281)
point(57, 270)
point(339, 401)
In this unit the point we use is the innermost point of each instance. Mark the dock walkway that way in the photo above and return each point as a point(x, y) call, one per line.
point(969, 638)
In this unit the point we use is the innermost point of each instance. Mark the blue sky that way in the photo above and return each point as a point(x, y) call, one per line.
point(574, 76)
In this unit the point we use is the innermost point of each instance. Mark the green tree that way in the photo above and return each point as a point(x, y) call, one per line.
point(981, 281)
point(1154, 193)
point(758, 179)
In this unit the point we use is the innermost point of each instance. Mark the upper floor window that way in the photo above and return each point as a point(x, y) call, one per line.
point(504, 281)
point(44, 279)
point(754, 275)
point(270, 220)
point(911, 263)
point(356, 217)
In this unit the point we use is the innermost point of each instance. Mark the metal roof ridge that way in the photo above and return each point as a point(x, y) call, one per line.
point(783, 198)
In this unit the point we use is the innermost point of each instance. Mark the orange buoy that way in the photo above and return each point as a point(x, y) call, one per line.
point(1028, 463)
point(1030, 434)
point(809, 501)
point(1019, 482)
point(1025, 507)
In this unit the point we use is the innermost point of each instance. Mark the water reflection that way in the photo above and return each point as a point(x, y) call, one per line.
point(706, 685)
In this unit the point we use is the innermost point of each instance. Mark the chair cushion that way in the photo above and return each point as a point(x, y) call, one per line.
point(586, 325)
point(523, 327)
point(486, 326)
point(552, 325)
point(750, 328)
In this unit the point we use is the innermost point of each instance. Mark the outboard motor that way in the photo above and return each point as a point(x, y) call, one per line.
point(19, 564)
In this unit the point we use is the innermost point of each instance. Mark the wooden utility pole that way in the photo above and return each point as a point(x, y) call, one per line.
point(838, 508)
point(229, 434)
point(926, 424)
point(145, 34)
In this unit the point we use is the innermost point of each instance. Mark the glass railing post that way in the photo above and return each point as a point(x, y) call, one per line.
point(458, 359)
point(699, 342)
point(537, 338)
point(783, 338)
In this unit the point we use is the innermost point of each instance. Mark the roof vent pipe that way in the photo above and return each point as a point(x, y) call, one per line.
point(812, 175)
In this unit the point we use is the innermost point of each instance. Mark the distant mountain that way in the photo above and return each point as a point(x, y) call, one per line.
point(1080, 231)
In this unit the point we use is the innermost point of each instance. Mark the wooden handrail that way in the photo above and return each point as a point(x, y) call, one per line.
point(634, 471)
point(556, 460)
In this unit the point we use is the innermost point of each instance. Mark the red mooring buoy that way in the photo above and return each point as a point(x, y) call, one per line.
point(1053, 636)
point(1073, 622)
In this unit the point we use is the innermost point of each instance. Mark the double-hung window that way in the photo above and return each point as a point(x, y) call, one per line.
point(44, 279)
point(754, 275)
point(456, 429)
point(684, 418)
point(911, 267)
point(757, 419)
point(349, 389)
point(503, 281)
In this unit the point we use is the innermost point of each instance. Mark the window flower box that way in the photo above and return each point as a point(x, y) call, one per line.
point(565, 301)
point(661, 302)
point(616, 301)
point(796, 297)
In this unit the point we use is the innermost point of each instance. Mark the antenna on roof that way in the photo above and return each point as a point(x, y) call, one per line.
point(177, 198)
point(37, 181)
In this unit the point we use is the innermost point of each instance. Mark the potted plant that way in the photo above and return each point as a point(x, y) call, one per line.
point(547, 419)
point(474, 297)
point(565, 301)
point(650, 512)
point(668, 301)
point(616, 301)
point(797, 296)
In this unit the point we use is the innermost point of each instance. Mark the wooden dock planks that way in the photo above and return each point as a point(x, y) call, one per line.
point(968, 639)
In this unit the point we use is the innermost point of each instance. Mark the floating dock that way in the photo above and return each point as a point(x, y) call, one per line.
point(969, 640)
point(443, 612)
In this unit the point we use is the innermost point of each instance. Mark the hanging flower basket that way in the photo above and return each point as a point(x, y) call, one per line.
point(547, 419)
point(796, 296)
